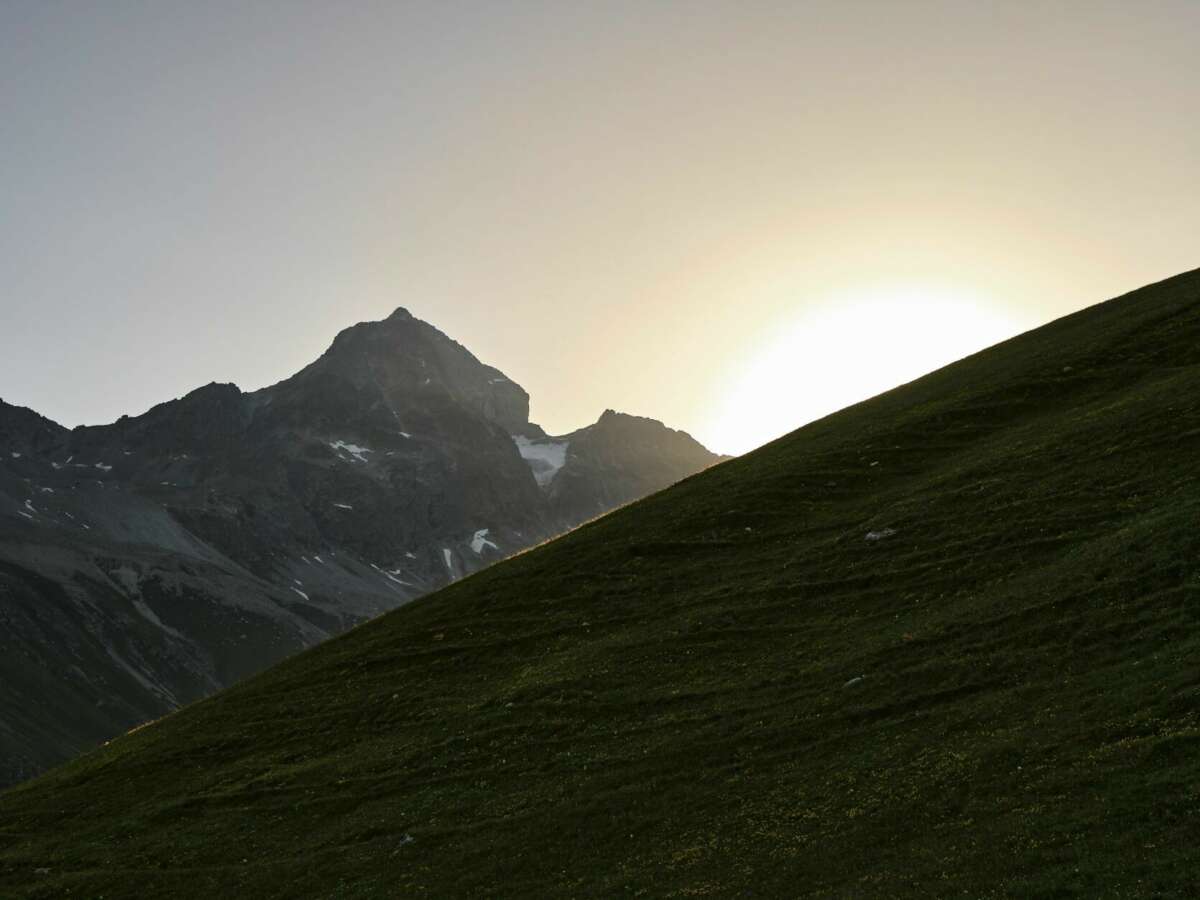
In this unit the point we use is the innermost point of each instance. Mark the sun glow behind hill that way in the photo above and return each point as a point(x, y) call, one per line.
point(850, 346)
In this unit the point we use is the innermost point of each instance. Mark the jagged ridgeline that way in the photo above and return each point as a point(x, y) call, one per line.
point(148, 563)
point(942, 643)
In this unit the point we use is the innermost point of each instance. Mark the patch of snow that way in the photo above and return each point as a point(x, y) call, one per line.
point(411, 555)
point(88, 527)
point(544, 458)
point(479, 541)
point(300, 592)
point(405, 434)
point(46, 490)
point(298, 581)
point(25, 514)
point(449, 561)
point(29, 506)
point(318, 559)
point(881, 534)
point(391, 576)
point(353, 449)
point(56, 466)
point(343, 506)
point(16, 455)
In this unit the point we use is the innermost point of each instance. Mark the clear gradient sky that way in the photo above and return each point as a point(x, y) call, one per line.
point(734, 216)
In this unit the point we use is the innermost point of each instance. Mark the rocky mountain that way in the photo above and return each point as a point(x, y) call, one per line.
point(147, 563)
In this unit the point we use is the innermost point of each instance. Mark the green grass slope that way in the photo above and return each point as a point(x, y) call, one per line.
point(663, 702)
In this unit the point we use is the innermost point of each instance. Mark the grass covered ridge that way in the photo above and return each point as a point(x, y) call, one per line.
point(663, 702)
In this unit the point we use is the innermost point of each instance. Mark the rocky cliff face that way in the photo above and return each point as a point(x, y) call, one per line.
point(147, 563)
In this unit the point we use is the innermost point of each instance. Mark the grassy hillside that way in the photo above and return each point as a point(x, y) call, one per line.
point(728, 689)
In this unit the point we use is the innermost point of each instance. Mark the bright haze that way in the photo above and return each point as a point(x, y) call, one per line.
point(735, 217)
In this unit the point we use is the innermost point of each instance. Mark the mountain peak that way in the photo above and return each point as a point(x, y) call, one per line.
point(396, 364)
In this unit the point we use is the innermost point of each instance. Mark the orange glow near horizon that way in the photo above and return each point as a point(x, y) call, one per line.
point(847, 347)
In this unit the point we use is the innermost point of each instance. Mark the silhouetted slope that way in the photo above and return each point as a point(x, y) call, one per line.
point(940, 643)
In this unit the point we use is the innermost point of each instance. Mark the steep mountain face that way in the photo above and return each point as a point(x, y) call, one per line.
point(941, 643)
point(146, 563)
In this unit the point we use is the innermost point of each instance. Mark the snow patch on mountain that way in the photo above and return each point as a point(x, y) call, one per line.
point(391, 576)
point(479, 541)
point(544, 457)
point(355, 451)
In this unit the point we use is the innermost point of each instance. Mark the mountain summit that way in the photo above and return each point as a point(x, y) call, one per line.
point(147, 563)
point(400, 366)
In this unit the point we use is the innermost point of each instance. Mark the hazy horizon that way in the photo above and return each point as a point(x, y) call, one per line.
point(730, 217)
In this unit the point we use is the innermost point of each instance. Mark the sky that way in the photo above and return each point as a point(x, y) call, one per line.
point(735, 217)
